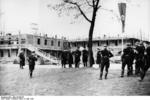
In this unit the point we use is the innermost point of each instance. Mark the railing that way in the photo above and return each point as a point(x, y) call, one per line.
point(42, 53)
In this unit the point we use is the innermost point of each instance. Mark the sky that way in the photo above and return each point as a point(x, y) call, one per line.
point(24, 15)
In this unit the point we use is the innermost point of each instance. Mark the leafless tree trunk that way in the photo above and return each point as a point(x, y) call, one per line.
point(77, 4)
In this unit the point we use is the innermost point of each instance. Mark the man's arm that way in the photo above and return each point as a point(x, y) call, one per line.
point(110, 54)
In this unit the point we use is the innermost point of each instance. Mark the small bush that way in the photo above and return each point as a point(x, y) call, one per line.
point(16, 61)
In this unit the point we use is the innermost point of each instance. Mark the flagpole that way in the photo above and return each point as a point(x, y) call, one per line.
point(122, 38)
point(122, 11)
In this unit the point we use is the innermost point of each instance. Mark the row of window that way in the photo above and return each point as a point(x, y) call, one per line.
point(99, 43)
point(45, 42)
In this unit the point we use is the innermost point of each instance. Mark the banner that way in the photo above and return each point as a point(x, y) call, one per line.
point(122, 11)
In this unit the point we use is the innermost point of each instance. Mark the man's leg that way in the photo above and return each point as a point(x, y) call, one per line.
point(106, 69)
point(30, 71)
point(101, 71)
point(75, 64)
point(137, 68)
point(78, 64)
point(20, 64)
point(70, 65)
point(86, 63)
point(129, 69)
point(123, 67)
point(142, 71)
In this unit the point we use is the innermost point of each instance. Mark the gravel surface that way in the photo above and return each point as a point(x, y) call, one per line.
point(53, 80)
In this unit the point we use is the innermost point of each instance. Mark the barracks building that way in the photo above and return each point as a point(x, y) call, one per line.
point(50, 48)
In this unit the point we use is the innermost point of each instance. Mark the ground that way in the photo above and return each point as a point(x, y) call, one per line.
point(52, 80)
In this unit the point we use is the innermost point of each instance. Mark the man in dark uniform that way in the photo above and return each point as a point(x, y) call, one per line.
point(139, 64)
point(93, 62)
point(70, 58)
point(147, 63)
point(127, 59)
point(98, 60)
point(77, 57)
point(32, 58)
point(64, 59)
point(22, 59)
point(85, 57)
point(105, 63)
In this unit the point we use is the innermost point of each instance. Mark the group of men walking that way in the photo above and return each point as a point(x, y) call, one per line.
point(70, 58)
point(102, 59)
point(141, 55)
point(138, 54)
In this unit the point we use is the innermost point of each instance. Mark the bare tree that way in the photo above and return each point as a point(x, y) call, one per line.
point(86, 8)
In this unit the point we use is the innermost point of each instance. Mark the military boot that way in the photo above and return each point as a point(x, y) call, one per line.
point(122, 74)
point(100, 78)
point(106, 75)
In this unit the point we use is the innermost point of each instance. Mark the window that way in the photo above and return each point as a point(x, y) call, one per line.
point(2, 41)
point(23, 41)
point(116, 42)
point(2, 54)
point(98, 43)
point(17, 40)
point(75, 44)
point(52, 43)
point(8, 53)
point(45, 42)
point(107, 42)
point(9, 41)
point(59, 43)
point(38, 41)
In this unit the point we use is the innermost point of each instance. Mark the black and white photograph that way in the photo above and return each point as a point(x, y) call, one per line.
point(74, 48)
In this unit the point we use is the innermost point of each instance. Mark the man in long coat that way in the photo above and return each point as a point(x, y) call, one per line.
point(31, 59)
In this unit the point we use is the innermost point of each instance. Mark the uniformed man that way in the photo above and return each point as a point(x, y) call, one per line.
point(105, 63)
point(98, 60)
point(147, 57)
point(85, 57)
point(64, 59)
point(22, 59)
point(70, 59)
point(31, 59)
point(77, 57)
point(147, 63)
point(127, 59)
point(93, 61)
point(139, 64)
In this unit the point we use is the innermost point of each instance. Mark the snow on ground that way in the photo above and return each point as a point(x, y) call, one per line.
point(53, 80)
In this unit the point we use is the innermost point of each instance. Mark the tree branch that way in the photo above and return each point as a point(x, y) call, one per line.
point(89, 3)
point(111, 11)
point(78, 6)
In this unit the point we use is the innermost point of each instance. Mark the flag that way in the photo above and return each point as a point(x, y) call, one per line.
point(122, 11)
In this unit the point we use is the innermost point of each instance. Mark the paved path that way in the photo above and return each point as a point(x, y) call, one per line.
point(57, 81)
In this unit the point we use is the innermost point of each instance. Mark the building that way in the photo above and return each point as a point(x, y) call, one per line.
point(113, 43)
point(50, 48)
point(45, 47)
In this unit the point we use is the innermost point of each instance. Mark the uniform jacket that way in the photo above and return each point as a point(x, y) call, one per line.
point(77, 55)
point(98, 60)
point(32, 60)
point(106, 54)
point(84, 55)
